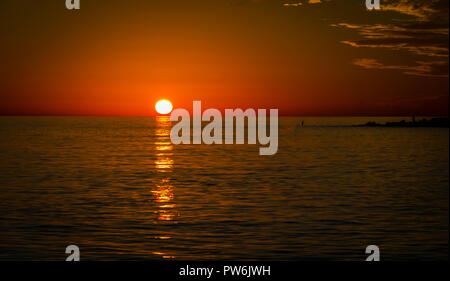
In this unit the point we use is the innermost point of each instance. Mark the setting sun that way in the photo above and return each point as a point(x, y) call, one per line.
point(163, 107)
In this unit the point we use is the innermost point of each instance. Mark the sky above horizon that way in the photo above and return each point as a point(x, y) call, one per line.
point(304, 57)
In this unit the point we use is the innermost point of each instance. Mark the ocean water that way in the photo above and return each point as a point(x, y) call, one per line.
point(117, 188)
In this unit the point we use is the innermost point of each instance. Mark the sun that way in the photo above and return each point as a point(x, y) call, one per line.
point(163, 107)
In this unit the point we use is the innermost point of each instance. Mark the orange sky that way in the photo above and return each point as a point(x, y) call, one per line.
point(120, 57)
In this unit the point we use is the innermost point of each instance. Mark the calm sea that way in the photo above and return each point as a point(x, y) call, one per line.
point(117, 188)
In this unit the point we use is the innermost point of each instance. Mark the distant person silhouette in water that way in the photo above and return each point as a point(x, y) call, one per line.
point(298, 126)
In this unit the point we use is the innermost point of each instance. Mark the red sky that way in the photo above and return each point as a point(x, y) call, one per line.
point(120, 57)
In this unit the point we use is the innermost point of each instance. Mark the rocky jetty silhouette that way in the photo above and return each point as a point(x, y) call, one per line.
point(429, 123)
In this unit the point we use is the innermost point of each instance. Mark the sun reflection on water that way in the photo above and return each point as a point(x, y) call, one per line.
point(163, 191)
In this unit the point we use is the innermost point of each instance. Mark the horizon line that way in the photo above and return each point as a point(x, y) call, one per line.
point(283, 115)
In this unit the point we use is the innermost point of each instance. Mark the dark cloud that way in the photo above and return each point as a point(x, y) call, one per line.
point(424, 33)
point(421, 68)
point(427, 41)
point(424, 10)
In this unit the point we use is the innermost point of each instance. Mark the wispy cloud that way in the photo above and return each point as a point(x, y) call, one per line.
point(425, 33)
point(292, 4)
point(425, 69)
point(298, 3)
point(421, 39)
point(418, 27)
point(421, 9)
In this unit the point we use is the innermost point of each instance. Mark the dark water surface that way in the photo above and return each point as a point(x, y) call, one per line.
point(119, 189)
